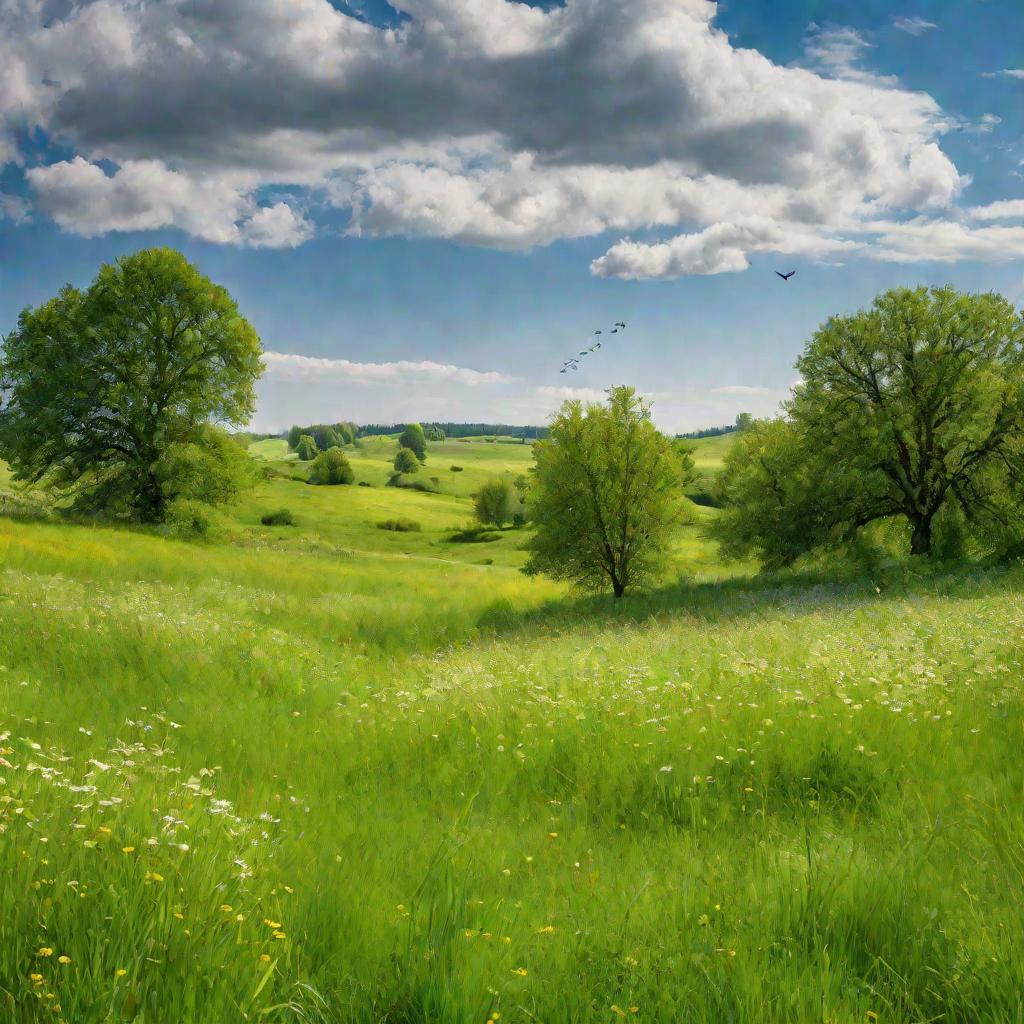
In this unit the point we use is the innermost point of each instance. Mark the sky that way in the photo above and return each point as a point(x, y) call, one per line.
point(426, 207)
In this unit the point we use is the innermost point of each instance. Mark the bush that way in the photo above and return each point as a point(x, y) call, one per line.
point(414, 438)
point(456, 469)
point(400, 525)
point(519, 519)
point(331, 468)
point(365, 483)
point(187, 517)
point(406, 461)
point(306, 448)
point(493, 503)
point(282, 517)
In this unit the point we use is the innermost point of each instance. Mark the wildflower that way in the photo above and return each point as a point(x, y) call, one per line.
point(618, 1010)
point(36, 979)
point(120, 972)
point(127, 849)
point(179, 915)
point(546, 930)
point(63, 959)
point(265, 957)
point(239, 918)
point(279, 935)
point(271, 924)
point(553, 835)
point(870, 1015)
point(46, 951)
point(521, 971)
point(226, 908)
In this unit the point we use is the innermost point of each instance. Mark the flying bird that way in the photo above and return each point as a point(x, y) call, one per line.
point(620, 324)
point(785, 277)
point(616, 331)
point(597, 332)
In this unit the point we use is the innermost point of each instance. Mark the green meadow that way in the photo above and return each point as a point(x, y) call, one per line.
point(336, 773)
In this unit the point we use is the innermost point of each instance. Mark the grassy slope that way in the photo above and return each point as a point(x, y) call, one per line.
point(454, 791)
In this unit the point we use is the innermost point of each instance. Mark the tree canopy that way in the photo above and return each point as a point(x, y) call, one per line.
point(101, 387)
point(331, 467)
point(911, 411)
point(606, 494)
point(406, 461)
point(307, 448)
point(494, 503)
point(414, 439)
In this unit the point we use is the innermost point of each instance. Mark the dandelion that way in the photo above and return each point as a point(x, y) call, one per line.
point(546, 930)
point(552, 835)
point(521, 971)
point(127, 849)
point(120, 972)
point(226, 908)
point(280, 935)
point(265, 957)
point(63, 959)
point(36, 979)
point(45, 951)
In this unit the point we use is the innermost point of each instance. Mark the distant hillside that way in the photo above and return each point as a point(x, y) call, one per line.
point(460, 429)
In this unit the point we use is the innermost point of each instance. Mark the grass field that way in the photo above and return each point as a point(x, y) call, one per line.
point(329, 773)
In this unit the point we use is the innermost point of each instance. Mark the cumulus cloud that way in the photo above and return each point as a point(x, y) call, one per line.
point(13, 208)
point(487, 121)
point(1005, 73)
point(913, 26)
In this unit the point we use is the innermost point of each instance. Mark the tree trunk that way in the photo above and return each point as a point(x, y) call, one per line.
point(921, 540)
point(618, 589)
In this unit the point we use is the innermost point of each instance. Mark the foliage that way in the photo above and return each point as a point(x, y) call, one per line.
point(911, 410)
point(606, 495)
point(435, 433)
point(494, 502)
point(400, 525)
point(100, 386)
point(306, 448)
point(326, 435)
point(406, 461)
point(767, 785)
point(331, 467)
point(455, 469)
point(282, 517)
point(744, 421)
point(415, 440)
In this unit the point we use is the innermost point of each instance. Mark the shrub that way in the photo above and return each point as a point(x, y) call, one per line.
point(282, 517)
point(414, 438)
point(456, 469)
point(493, 503)
point(365, 483)
point(473, 535)
point(406, 461)
point(331, 467)
point(400, 525)
point(519, 519)
point(306, 448)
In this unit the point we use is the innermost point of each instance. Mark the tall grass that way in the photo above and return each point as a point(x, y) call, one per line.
point(243, 784)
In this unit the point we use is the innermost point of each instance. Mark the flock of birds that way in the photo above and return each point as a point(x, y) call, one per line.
point(575, 362)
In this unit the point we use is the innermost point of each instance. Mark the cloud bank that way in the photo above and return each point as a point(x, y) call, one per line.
point(485, 121)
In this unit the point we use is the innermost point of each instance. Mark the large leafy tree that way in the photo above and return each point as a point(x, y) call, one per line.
point(910, 411)
point(606, 495)
point(105, 391)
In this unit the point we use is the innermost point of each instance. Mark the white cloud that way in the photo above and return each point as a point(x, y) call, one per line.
point(13, 208)
point(913, 26)
point(1005, 73)
point(145, 195)
point(1003, 210)
point(946, 242)
point(458, 124)
point(291, 367)
point(740, 389)
point(568, 394)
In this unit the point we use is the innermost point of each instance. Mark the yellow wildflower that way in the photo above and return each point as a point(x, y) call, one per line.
point(120, 972)
point(63, 959)
point(521, 971)
point(265, 957)
point(127, 849)
point(46, 951)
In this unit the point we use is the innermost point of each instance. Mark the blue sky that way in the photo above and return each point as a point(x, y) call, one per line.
point(424, 214)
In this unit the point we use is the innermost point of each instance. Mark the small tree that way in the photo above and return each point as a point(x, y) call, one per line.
point(606, 495)
point(97, 386)
point(494, 503)
point(406, 461)
point(294, 436)
point(306, 448)
point(414, 439)
point(331, 467)
point(744, 421)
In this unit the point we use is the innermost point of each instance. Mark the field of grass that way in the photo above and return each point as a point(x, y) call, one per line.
point(329, 773)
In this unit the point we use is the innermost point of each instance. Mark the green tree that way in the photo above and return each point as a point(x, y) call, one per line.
point(494, 503)
point(414, 439)
point(744, 421)
point(331, 467)
point(406, 461)
point(911, 411)
point(606, 495)
point(98, 385)
point(294, 436)
point(307, 448)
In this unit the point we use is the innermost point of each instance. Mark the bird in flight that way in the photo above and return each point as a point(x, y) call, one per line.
point(785, 277)
point(619, 323)
point(597, 332)
point(574, 363)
